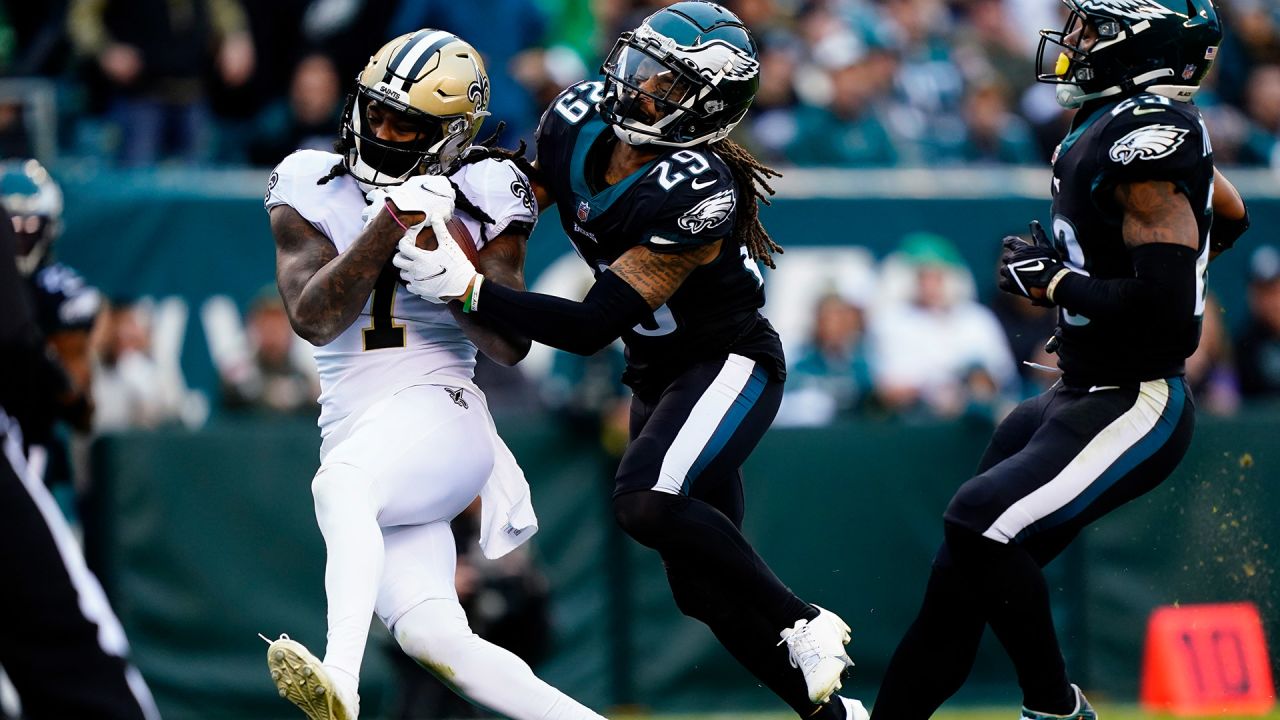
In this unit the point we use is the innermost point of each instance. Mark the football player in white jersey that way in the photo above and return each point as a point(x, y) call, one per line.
point(407, 438)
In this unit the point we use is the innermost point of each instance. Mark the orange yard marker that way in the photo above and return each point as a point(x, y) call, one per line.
point(1207, 660)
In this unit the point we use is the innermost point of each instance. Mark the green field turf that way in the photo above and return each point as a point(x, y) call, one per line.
point(1105, 712)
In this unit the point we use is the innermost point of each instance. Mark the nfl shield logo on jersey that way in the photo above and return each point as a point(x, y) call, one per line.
point(584, 210)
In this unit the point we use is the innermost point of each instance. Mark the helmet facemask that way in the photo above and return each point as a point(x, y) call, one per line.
point(661, 93)
point(439, 143)
point(34, 235)
point(1072, 68)
point(33, 202)
point(650, 93)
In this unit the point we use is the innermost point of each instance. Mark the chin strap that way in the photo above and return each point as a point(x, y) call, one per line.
point(1068, 98)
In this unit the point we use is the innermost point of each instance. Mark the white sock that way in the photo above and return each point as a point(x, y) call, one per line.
point(348, 520)
point(436, 634)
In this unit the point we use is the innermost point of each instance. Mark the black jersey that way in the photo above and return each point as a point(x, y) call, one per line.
point(1142, 138)
point(682, 199)
point(63, 300)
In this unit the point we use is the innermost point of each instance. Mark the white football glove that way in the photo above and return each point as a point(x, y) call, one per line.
point(432, 195)
point(438, 275)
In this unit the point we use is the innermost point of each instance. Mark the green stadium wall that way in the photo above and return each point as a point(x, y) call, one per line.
point(205, 539)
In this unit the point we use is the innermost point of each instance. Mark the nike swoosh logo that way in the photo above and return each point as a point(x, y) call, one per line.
point(1096, 388)
point(433, 277)
point(661, 241)
point(706, 184)
point(1033, 268)
point(1147, 111)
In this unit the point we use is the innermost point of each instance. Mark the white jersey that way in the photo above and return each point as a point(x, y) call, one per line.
point(398, 340)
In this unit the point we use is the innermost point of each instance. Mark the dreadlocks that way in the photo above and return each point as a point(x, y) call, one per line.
point(340, 168)
point(750, 175)
point(488, 148)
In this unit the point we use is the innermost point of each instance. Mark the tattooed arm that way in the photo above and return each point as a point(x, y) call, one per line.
point(657, 277)
point(624, 294)
point(501, 261)
point(1155, 212)
point(1163, 239)
point(324, 291)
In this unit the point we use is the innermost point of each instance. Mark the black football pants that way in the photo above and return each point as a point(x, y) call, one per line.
point(679, 491)
point(1057, 463)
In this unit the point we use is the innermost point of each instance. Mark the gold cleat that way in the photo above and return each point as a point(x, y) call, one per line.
point(303, 681)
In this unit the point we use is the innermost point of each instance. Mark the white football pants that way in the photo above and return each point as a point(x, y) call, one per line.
point(384, 496)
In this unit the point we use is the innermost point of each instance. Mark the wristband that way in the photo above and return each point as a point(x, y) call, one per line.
point(1053, 284)
point(471, 302)
point(392, 213)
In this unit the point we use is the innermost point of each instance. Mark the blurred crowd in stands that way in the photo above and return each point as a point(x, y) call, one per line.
point(853, 83)
point(934, 352)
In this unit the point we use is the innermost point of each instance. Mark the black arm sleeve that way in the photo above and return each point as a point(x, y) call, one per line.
point(582, 328)
point(1162, 291)
point(1226, 231)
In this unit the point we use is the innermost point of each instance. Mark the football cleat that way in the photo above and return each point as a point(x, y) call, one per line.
point(817, 648)
point(1083, 711)
point(301, 679)
point(854, 709)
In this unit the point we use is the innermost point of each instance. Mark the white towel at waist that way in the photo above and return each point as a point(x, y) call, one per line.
point(507, 519)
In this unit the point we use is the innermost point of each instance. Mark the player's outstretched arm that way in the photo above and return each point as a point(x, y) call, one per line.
point(1162, 236)
point(625, 294)
point(501, 261)
point(323, 291)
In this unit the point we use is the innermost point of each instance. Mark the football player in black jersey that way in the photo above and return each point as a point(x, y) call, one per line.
point(60, 643)
point(1125, 263)
point(663, 208)
point(66, 308)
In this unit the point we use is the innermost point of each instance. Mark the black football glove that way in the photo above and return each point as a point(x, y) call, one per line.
point(1027, 268)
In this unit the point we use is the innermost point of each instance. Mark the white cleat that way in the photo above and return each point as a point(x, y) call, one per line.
point(853, 709)
point(303, 680)
point(817, 649)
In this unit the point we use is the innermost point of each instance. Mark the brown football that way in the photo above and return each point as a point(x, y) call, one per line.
point(460, 233)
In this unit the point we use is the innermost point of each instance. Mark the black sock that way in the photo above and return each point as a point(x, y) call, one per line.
point(936, 654)
point(696, 535)
point(1015, 602)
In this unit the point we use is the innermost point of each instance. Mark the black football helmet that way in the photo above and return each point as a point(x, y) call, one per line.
point(1161, 46)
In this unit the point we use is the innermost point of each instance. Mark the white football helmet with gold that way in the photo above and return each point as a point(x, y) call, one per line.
point(437, 81)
